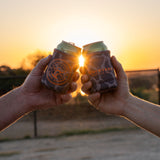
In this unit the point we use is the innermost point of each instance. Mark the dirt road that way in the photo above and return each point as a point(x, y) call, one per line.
point(117, 145)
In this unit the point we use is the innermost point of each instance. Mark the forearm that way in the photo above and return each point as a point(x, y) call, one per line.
point(143, 114)
point(13, 105)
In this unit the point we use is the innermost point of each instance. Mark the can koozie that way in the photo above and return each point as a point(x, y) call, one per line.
point(100, 71)
point(59, 73)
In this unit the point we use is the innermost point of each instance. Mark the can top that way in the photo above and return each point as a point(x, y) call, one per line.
point(94, 47)
point(69, 48)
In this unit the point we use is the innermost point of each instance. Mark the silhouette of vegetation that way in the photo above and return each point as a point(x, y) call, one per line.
point(32, 59)
point(11, 78)
point(6, 71)
point(142, 81)
point(144, 86)
point(140, 92)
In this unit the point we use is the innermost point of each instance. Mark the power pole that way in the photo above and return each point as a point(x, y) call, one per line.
point(35, 123)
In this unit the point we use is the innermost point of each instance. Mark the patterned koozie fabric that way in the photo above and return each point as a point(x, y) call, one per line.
point(60, 71)
point(100, 71)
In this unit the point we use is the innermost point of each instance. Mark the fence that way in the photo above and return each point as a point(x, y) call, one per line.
point(143, 83)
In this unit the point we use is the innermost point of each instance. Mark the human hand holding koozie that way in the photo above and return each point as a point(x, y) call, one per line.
point(64, 64)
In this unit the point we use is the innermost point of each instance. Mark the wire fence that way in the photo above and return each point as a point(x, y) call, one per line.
point(78, 114)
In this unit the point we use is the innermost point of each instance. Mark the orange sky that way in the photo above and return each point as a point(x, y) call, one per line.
point(130, 29)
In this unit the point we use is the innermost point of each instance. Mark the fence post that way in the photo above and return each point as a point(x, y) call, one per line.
point(158, 86)
point(35, 123)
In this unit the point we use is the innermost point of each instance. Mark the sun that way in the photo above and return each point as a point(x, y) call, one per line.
point(81, 64)
point(81, 61)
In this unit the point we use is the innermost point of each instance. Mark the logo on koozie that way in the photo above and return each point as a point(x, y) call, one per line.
point(58, 72)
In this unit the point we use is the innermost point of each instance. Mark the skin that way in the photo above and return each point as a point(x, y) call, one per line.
point(121, 102)
point(30, 96)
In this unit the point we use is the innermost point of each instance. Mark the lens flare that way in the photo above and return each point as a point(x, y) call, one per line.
point(82, 93)
point(81, 64)
point(81, 61)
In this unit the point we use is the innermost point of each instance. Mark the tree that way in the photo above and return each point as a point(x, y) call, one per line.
point(6, 71)
point(33, 58)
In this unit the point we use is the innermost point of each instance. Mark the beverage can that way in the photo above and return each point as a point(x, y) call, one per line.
point(99, 67)
point(64, 63)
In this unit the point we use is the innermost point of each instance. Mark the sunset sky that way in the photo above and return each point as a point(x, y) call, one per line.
point(130, 28)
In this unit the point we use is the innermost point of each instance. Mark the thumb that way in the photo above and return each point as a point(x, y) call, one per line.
point(41, 65)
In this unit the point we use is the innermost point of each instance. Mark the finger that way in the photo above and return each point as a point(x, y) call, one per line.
point(85, 88)
point(39, 68)
point(93, 98)
point(65, 98)
point(75, 76)
point(73, 86)
point(83, 70)
point(121, 75)
point(84, 78)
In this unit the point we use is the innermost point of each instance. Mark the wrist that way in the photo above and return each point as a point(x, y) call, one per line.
point(130, 105)
point(23, 100)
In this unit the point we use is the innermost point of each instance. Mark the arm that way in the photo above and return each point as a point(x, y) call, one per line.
point(144, 114)
point(31, 95)
point(12, 106)
point(122, 103)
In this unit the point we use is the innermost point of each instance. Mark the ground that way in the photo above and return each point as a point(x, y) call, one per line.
point(22, 129)
point(115, 145)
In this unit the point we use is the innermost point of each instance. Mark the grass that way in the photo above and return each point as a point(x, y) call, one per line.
point(46, 149)
point(8, 154)
point(27, 137)
point(8, 139)
point(100, 131)
point(5, 140)
point(77, 132)
point(86, 158)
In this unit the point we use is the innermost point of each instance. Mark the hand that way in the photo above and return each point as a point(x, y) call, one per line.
point(113, 102)
point(39, 97)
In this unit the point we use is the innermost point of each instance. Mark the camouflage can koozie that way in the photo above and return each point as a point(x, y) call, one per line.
point(100, 71)
point(59, 73)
